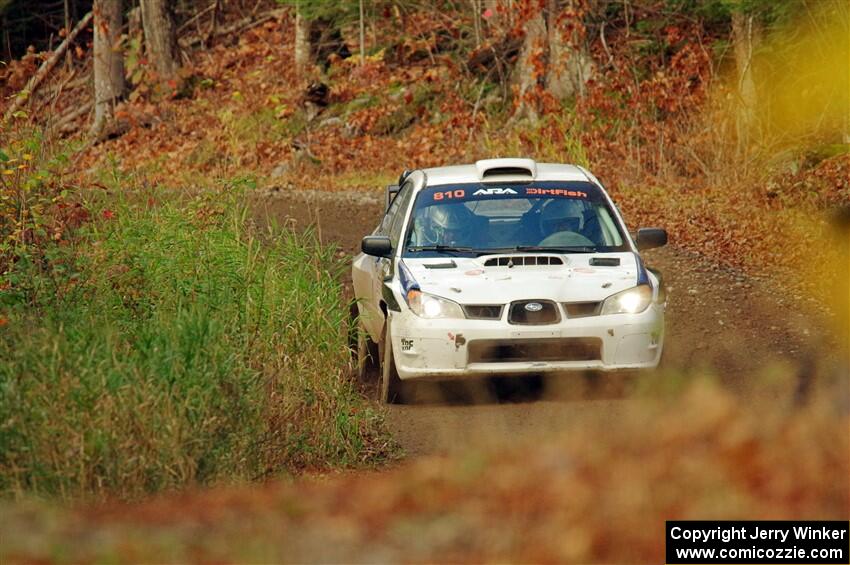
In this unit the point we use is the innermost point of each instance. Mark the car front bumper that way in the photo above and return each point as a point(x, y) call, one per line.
point(436, 348)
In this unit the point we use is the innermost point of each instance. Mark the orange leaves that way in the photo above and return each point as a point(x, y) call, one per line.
point(673, 34)
point(639, 113)
point(521, 11)
point(570, 23)
point(538, 62)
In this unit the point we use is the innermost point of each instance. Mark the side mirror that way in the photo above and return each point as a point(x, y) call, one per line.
point(377, 246)
point(392, 190)
point(650, 238)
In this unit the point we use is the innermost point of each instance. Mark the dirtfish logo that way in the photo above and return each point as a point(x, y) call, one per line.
point(493, 191)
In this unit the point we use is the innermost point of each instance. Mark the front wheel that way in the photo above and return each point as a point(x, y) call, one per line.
point(364, 351)
point(390, 382)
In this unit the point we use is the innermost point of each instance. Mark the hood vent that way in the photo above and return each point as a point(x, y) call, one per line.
point(491, 168)
point(604, 261)
point(449, 265)
point(523, 260)
point(506, 171)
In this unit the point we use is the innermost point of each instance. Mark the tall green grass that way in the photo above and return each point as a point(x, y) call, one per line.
point(169, 345)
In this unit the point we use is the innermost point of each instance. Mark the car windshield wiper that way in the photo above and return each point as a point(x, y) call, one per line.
point(442, 248)
point(546, 249)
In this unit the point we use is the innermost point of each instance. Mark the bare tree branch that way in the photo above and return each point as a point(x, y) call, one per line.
point(46, 67)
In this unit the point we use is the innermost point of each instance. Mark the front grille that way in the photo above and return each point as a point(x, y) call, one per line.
point(524, 312)
point(520, 260)
point(483, 311)
point(582, 309)
point(531, 350)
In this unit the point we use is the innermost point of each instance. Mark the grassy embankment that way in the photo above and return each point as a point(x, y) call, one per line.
point(152, 340)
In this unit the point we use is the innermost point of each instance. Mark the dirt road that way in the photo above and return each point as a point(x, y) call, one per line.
point(720, 321)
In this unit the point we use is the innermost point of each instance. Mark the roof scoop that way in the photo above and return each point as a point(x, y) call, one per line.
point(498, 169)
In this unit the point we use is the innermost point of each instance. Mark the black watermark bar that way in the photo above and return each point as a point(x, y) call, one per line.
point(702, 541)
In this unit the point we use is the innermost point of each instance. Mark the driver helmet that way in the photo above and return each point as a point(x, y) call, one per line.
point(561, 215)
point(447, 224)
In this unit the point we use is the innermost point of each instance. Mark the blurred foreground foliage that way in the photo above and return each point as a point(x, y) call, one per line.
point(599, 496)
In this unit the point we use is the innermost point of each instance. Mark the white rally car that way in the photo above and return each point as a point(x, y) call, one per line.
point(507, 267)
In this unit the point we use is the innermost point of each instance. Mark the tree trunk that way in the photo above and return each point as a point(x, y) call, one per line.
point(476, 21)
point(746, 35)
point(69, 60)
point(108, 61)
point(135, 31)
point(6, 40)
point(161, 38)
point(570, 64)
point(302, 42)
point(362, 35)
point(531, 65)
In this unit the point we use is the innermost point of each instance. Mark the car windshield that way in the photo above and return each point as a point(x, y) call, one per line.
point(571, 217)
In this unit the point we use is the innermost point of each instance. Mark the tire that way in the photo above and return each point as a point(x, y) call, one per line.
point(364, 352)
point(391, 385)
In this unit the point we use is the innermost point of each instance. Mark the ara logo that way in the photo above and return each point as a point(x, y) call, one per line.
point(493, 191)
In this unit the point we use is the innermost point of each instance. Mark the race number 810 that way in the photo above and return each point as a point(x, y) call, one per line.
point(449, 194)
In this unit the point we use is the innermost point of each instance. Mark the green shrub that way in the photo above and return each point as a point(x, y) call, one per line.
point(170, 346)
point(33, 205)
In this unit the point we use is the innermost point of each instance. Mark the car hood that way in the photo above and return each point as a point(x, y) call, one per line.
point(470, 281)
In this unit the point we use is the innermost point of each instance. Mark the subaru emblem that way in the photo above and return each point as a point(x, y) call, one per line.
point(534, 307)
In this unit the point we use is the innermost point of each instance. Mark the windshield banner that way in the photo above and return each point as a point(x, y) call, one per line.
point(466, 192)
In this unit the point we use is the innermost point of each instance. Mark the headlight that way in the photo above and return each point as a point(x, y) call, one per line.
point(631, 301)
point(429, 306)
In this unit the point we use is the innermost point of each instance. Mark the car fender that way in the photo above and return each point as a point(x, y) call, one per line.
point(363, 273)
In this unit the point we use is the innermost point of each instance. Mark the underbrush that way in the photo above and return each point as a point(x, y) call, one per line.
point(166, 344)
